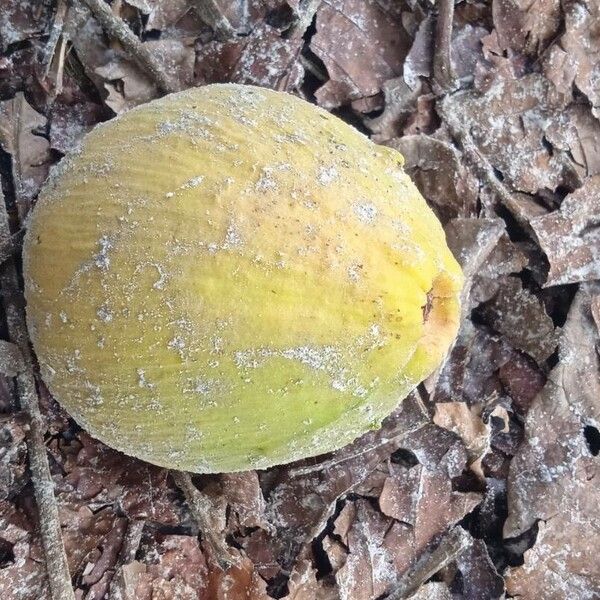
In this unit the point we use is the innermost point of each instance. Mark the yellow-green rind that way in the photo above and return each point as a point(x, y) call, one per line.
point(230, 278)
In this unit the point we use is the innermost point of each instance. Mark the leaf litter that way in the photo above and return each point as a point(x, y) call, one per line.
point(483, 482)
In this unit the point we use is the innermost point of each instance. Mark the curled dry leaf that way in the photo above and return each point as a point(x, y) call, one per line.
point(472, 241)
point(136, 87)
point(465, 51)
point(240, 582)
point(374, 48)
point(419, 59)
point(245, 500)
point(418, 504)
point(303, 584)
point(369, 569)
point(471, 373)
point(173, 18)
point(400, 102)
point(436, 169)
point(570, 236)
point(469, 426)
point(112, 71)
point(553, 477)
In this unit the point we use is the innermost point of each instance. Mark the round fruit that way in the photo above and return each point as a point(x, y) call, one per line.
point(230, 278)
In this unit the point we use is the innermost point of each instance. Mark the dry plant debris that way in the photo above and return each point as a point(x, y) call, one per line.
point(484, 482)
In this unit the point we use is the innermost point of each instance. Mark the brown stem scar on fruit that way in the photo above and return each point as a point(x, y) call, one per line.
point(428, 305)
point(231, 278)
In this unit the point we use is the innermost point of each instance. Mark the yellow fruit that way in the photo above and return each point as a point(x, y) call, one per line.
point(230, 278)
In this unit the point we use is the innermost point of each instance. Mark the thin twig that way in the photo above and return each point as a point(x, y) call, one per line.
point(210, 12)
point(117, 28)
point(453, 544)
point(304, 16)
point(202, 508)
point(444, 77)
point(55, 33)
point(56, 560)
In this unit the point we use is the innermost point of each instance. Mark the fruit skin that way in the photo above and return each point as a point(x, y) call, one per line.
point(230, 278)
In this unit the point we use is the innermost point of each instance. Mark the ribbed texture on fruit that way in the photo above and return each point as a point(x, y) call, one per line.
point(230, 278)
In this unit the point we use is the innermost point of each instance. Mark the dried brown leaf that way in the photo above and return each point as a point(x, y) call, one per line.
point(423, 505)
point(479, 578)
point(136, 87)
point(174, 568)
point(303, 584)
point(521, 318)
point(84, 531)
point(524, 25)
point(21, 21)
point(553, 476)
point(581, 43)
point(522, 379)
point(471, 373)
point(369, 570)
point(505, 258)
point(245, 499)
point(400, 102)
point(98, 475)
point(22, 573)
point(263, 58)
point(362, 44)
point(465, 51)
point(173, 18)
point(322, 484)
point(240, 582)
point(435, 590)
point(436, 169)
point(577, 131)
point(564, 560)
point(472, 241)
point(508, 123)
point(570, 236)
point(69, 122)
point(419, 60)
point(468, 424)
